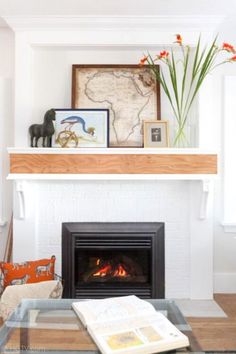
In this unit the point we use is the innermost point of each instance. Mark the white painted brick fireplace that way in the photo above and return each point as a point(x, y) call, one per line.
point(45, 48)
point(176, 203)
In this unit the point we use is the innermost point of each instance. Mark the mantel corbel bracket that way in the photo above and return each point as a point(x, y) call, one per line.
point(20, 192)
point(206, 188)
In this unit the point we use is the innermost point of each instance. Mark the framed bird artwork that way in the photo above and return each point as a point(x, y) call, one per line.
point(81, 128)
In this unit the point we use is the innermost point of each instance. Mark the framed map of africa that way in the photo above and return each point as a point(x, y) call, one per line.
point(130, 92)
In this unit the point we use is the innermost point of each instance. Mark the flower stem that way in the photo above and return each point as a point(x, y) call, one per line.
point(181, 139)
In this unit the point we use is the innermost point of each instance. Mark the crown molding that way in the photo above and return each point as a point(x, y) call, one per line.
point(163, 23)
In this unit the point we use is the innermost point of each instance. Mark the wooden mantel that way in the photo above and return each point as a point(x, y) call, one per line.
point(111, 164)
point(134, 161)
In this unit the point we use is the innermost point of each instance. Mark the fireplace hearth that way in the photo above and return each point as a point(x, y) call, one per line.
point(113, 259)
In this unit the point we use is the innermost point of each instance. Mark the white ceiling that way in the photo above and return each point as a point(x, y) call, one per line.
point(117, 7)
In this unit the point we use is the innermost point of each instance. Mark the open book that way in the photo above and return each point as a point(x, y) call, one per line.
point(128, 325)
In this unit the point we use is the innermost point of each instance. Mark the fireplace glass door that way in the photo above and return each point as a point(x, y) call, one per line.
point(112, 266)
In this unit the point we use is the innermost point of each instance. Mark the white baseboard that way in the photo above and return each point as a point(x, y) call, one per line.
point(224, 283)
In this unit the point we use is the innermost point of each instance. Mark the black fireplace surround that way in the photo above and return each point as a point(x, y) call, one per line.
point(113, 259)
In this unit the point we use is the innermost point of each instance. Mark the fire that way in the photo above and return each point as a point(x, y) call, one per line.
point(108, 269)
point(120, 272)
point(103, 271)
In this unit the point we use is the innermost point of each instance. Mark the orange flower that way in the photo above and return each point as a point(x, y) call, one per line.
point(229, 48)
point(233, 58)
point(164, 54)
point(143, 60)
point(179, 39)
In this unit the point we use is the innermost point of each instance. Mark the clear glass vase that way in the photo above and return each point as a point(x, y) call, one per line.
point(181, 137)
point(184, 135)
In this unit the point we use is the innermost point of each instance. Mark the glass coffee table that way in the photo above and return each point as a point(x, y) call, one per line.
point(51, 326)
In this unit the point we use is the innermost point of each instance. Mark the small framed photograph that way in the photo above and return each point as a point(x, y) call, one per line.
point(156, 134)
point(81, 128)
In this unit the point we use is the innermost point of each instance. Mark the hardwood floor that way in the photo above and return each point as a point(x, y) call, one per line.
point(217, 334)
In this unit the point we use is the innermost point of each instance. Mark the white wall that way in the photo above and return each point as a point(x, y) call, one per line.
point(224, 243)
point(6, 128)
point(52, 69)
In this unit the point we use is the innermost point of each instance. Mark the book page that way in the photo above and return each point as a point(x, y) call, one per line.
point(112, 309)
point(153, 331)
point(133, 338)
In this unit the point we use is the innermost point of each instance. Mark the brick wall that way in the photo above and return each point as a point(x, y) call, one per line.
point(53, 202)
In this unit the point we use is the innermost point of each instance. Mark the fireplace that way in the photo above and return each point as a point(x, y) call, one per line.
point(113, 259)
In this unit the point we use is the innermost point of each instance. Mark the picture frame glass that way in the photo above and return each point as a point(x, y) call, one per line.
point(130, 92)
point(81, 128)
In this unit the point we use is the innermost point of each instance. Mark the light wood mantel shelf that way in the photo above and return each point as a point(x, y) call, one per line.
point(134, 162)
point(111, 164)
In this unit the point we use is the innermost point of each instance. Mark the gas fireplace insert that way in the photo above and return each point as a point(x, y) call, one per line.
point(113, 259)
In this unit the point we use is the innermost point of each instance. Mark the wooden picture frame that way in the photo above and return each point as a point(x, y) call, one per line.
point(81, 128)
point(156, 134)
point(130, 92)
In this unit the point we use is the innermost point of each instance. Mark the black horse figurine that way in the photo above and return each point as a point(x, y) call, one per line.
point(45, 130)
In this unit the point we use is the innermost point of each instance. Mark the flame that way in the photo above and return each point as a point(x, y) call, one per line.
point(103, 271)
point(107, 269)
point(120, 272)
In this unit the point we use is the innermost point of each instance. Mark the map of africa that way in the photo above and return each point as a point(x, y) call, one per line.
point(128, 93)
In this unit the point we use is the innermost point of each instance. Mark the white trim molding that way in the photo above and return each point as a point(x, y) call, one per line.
point(167, 23)
point(116, 151)
point(111, 177)
point(229, 168)
point(229, 227)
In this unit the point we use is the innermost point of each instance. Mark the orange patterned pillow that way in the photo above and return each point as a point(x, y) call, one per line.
point(28, 272)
